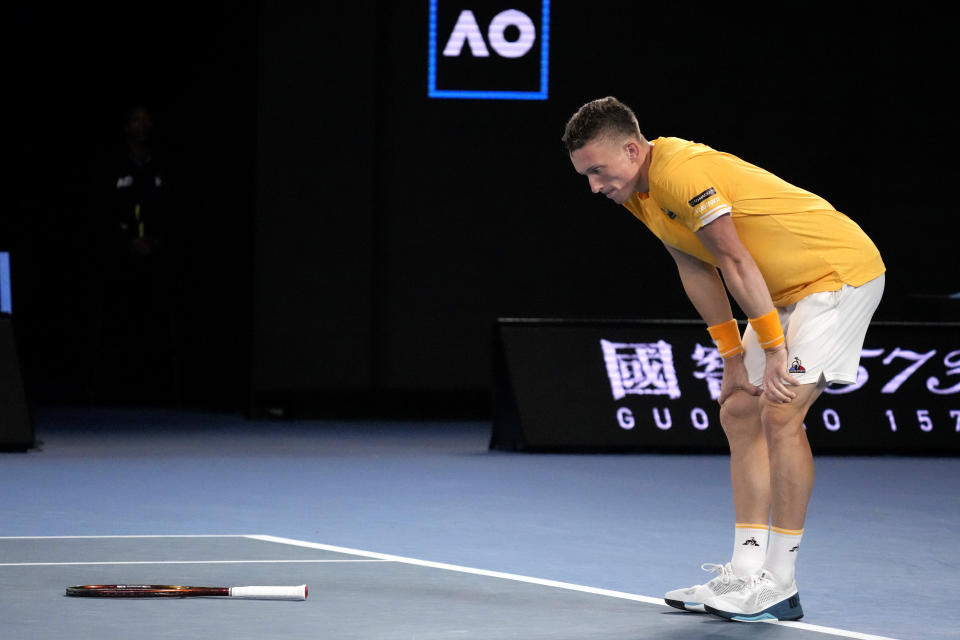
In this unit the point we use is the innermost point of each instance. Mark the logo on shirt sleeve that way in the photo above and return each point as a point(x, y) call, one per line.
point(697, 199)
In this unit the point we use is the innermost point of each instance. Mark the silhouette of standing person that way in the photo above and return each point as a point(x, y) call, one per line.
point(137, 257)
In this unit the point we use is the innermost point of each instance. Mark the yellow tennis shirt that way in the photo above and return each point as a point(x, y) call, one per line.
point(801, 244)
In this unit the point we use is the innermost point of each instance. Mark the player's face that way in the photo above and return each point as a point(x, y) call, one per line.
point(611, 167)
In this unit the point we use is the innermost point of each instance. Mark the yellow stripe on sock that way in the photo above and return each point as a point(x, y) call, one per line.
point(762, 527)
point(788, 532)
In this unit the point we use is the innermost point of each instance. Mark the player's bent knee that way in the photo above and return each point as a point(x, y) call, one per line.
point(739, 406)
point(740, 413)
point(781, 421)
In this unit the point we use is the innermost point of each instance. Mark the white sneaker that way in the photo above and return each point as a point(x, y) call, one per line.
point(760, 599)
point(693, 598)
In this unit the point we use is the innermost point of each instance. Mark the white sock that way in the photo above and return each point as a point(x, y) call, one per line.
point(749, 549)
point(782, 555)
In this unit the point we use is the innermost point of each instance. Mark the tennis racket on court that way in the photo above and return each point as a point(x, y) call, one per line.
point(177, 591)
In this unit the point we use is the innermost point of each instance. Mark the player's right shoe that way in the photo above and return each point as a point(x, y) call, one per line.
point(692, 598)
point(760, 599)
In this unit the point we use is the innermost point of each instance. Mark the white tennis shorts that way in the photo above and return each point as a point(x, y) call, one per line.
point(824, 334)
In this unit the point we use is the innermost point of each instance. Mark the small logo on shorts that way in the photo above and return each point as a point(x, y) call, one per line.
point(796, 367)
point(670, 214)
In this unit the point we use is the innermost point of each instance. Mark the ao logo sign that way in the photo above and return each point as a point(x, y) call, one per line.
point(489, 51)
point(466, 31)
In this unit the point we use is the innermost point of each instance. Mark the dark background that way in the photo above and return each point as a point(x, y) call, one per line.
point(349, 235)
point(903, 401)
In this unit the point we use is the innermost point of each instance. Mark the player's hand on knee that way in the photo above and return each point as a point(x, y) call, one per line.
point(776, 380)
point(735, 379)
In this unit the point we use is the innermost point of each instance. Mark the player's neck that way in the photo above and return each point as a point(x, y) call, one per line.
point(643, 173)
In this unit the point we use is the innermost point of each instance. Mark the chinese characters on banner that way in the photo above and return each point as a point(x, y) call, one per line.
point(648, 369)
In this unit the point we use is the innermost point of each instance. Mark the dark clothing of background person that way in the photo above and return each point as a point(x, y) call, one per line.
point(136, 259)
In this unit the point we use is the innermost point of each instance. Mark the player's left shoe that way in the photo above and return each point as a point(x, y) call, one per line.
point(761, 599)
point(692, 598)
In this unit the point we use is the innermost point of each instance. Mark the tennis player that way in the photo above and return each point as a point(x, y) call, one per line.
point(809, 280)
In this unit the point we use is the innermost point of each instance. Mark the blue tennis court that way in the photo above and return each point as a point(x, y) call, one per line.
point(407, 530)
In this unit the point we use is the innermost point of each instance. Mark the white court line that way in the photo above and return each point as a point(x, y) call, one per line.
point(197, 535)
point(452, 567)
point(540, 581)
point(59, 564)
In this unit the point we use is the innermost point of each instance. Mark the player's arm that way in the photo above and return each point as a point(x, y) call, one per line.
point(740, 272)
point(749, 289)
point(705, 289)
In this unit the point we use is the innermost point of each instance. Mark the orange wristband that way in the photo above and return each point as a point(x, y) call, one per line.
point(769, 331)
point(726, 335)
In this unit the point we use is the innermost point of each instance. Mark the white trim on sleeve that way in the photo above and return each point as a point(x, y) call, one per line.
point(714, 213)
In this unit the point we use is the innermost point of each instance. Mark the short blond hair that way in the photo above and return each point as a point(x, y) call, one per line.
point(601, 117)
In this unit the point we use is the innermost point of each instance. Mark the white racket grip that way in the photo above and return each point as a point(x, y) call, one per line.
point(270, 593)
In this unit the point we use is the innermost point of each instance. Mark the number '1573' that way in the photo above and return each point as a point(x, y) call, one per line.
point(914, 361)
point(924, 420)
